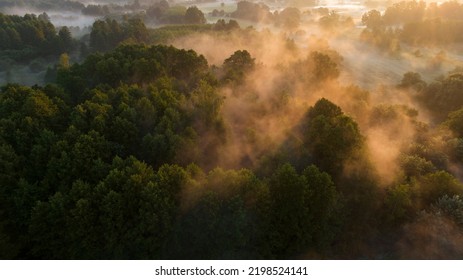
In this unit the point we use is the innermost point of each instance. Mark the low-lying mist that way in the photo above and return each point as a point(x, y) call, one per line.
point(365, 140)
point(271, 101)
point(58, 18)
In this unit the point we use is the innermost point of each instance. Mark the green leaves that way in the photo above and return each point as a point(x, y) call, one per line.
point(222, 216)
point(434, 185)
point(307, 205)
point(107, 34)
point(137, 64)
point(331, 137)
point(28, 37)
point(128, 214)
point(193, 15)
point(237, 66)
point(325, 68)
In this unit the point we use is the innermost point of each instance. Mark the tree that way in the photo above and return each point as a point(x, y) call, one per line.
point(443, 96)
point(333, 21)
point(252, 11)
point(135, 214)
point(325, 205)
point(31, 35)
point(64, 61)
point(66, 42)
point(372, 19)
point(125, 215)
point(455, 122)
point(107, 34)
point(290, 18)
point(213, 229)
point(44, 17)
point(431, 236)
point(48, 228)
point(398, 205)
point(452, 206)
point(435, 185)
point(194, 15)
point(136, 64)
point(325, 68)
point(304, 209)
point(331, 137)
point(412, 80)
point(225, 215)
point(404, 12)
point(136, 29)
point(207, 105)
point(237, 66)
point(415, 166)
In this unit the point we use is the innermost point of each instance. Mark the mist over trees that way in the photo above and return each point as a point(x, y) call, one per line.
point(33, 35)
point(104, 142)
point(414, 23)
point(250, 146)
point(43, 4)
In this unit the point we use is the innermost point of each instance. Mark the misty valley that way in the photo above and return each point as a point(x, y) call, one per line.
point(204, 129)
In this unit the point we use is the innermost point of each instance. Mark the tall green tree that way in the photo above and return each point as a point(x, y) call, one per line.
point(194, 15)
point(331, 136)
point(237, 66)
point(304, 209)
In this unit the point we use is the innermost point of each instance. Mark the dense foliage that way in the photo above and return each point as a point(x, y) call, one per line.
point(106, 34)
point(33, 34)
point(140, 150)
point(110, 170)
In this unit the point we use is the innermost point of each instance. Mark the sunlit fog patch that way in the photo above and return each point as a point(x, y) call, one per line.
point(215, 132)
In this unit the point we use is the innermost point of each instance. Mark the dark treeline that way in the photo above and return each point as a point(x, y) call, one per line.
point(113, 8)
point(35, 42)
point(162, 13)
point(72, 6)
point(44, 5)
point(108, 33)
point(33, 35)
point(157, 12)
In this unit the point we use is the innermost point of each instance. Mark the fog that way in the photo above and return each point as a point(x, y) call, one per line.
point(360, 64)
point(71, 19)
point(265, 110)
point(257, 127)
point(57, 17)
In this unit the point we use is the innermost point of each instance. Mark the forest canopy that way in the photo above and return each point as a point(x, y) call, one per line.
point(210, 139)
